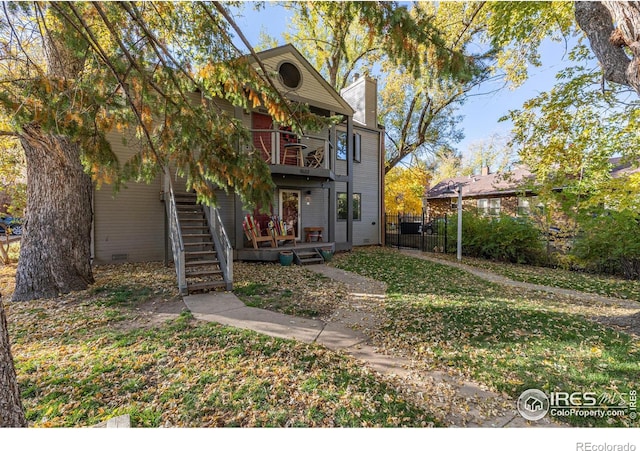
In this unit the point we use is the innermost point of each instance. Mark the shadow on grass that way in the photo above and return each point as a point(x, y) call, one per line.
point(455, 320)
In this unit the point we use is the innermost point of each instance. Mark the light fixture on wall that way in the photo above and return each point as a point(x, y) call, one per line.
point(307, 198)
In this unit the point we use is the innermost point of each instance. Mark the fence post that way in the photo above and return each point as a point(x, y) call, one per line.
point(422, 232)
point(446, 233)
point(398, 229)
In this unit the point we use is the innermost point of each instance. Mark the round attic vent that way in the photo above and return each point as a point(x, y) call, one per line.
point(290, 75)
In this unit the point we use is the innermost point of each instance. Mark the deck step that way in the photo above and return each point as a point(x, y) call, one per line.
point(307, 257)
point(196, 235)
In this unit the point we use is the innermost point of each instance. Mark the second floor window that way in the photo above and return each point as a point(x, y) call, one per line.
point(341, 146)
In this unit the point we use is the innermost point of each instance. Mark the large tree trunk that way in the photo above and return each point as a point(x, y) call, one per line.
point(11, 413)
point(612, 27)
point(55, 251)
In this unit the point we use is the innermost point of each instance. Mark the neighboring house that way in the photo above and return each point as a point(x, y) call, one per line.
point(499, 193)
point(488, 194)
point(330, 179)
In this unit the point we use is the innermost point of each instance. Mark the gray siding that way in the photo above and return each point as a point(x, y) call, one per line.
point(310, 90)
point(366, 181)
point(129, 226)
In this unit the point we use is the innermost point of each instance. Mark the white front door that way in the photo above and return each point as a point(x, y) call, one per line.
point(290, 210)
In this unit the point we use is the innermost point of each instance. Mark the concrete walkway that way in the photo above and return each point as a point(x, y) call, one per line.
point(346, 331)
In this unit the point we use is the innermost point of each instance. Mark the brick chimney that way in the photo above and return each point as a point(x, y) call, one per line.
point(485, 170)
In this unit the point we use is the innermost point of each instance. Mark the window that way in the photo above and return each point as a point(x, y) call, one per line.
point(357, 144)
point(342, 207)
point(289, 75)
point(524, 206)
point(489, 207)
point(341, 146)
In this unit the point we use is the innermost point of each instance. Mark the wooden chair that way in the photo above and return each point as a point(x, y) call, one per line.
point(254, 234)
point(266, 153)
point(279, 231)
point(315, 157)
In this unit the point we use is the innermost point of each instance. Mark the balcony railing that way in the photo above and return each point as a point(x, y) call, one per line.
point(281, 147)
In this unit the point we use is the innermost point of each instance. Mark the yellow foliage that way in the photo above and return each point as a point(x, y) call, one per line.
point(404, 189)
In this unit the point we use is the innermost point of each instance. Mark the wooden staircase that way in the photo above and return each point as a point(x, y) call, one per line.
point(307, 257)
point(202, 267)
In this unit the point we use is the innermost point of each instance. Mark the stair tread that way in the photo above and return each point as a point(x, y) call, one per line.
point(202, 262)
point(196, 235)
point(212, 272)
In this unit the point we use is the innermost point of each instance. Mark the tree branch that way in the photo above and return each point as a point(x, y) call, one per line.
point(596, 21)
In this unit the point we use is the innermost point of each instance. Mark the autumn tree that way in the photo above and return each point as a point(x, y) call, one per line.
point(73, 72)
point(569, 135)
point(405, 189)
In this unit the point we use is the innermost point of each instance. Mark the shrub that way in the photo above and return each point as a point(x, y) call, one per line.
point(610, 243)
point(515, 240)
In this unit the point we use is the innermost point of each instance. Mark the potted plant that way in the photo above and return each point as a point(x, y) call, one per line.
point(327, 254)
point(285, 257)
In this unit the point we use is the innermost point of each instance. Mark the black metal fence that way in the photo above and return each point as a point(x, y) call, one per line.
point(429, 234)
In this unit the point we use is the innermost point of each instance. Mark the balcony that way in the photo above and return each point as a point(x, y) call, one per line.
point(288, 153)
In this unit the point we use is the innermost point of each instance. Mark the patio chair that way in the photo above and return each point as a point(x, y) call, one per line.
point(254, 234)
point(315, 157)
point(279, 231)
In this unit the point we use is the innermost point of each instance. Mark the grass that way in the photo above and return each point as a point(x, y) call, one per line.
point(511, 341)
point(91, 355)
point(287, 289)
point(561, 278)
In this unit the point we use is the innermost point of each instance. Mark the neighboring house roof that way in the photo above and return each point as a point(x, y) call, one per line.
point(497, 184)
point(314, 90)
point(509, 183)
point(621, 168)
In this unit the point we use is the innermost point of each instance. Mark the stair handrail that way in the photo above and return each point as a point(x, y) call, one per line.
point(177, 243)
point(222, 243)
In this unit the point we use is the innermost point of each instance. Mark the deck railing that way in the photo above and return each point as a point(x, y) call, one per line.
point(177, 244)
point(271, 143)
point(222, 243)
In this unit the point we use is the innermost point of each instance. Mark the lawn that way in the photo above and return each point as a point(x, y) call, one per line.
point(92, 355)
point(560, 278)
point(448, 319)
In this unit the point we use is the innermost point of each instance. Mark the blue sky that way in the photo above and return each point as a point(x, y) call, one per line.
point(481, 113)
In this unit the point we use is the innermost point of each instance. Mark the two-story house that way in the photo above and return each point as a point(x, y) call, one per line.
point(328, 181)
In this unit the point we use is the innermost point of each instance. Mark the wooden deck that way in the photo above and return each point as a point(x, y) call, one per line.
point(270, 254)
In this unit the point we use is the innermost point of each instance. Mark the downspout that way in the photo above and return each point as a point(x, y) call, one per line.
point(350, 139)
point(381, 160)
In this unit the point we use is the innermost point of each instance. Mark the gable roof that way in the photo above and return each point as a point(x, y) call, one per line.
point(314, 89)
point(496, 184)
point(509, 183)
